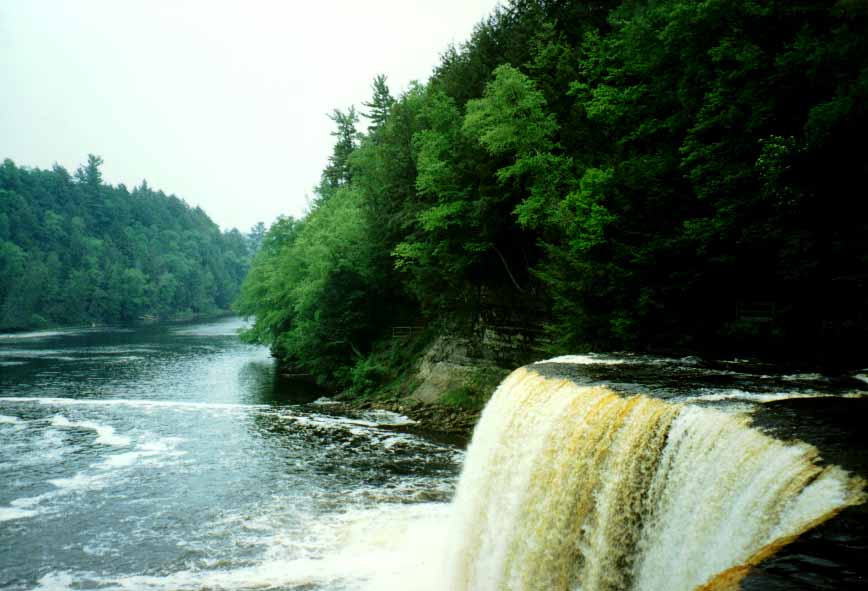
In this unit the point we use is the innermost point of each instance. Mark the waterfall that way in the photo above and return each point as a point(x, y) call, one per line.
point(569, 487)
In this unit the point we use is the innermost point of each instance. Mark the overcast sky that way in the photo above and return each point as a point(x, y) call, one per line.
point(221, 103)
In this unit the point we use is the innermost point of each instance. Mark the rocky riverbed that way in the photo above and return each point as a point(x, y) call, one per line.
point(453, 422)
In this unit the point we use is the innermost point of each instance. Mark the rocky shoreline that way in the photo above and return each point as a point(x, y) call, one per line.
point(453, 423)
point(447, 388)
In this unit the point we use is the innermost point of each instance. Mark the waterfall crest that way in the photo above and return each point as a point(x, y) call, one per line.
point(568, 487)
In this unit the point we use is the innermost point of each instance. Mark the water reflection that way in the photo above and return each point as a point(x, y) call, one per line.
point(263, 383)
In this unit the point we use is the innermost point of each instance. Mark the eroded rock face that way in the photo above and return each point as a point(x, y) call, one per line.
point(448, 366)
point(441, 377)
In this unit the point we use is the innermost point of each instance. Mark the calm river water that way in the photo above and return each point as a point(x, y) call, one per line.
point(171, 458)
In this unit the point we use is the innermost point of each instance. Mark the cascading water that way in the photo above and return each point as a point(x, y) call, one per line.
point(578, 488)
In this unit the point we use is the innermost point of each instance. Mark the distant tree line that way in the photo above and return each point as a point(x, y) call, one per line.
point(621, 174)
point(76, 250)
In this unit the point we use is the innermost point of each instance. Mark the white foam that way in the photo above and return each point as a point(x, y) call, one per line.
point(589, 359)
point(389, 548)
point(16, 353)
point(164, 444)
point(387, 418)
point(122, 460)
point(371, 419)
point(81, 482)
point(98, 476)
point(55, 581)
point(392, 547)
point(324, 401)
point(25, 507)
point(10, 513)
point(814, 377)
point(612, 359)
point(46, 447)
point(758, 397)
point(28, 502)
point(861, 377)
point(36, 334)
point(105, 434)
point(51, 447)
point(149, 453)
point(100, 549)
point(147, 404)
point(7, 420)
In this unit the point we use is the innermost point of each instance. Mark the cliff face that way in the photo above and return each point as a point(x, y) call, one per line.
point(450, 367)
point(452, 378)
point(465, 370)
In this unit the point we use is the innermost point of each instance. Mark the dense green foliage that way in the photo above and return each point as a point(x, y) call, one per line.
point(673, 173)
point(75, 250)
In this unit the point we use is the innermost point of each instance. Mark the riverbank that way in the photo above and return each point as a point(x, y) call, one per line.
point(147, 320)
point(453, 423)
point(445, 387)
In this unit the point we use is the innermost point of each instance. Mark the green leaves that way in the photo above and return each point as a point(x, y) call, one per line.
point(621, 172)
point(311, 285)
point(338, 173)
point(92, 252)
point(511, 116)
point(511, 120)
point(380, 104)
point(589, 216)
point(442, 216)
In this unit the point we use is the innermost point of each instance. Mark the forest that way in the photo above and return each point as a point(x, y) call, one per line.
point(635, 175)
point(624, 175)
point(75, 250)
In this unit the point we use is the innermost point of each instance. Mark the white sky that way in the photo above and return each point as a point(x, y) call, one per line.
point(221, 103)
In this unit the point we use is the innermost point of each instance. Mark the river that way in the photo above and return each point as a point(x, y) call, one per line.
point(171, 457)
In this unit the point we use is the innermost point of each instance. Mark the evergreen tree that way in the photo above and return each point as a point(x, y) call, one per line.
point(338, 173)
point(380, 104)
point(618, 174)
point(75, 250)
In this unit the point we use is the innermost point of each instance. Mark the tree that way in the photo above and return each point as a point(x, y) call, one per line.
point(338, 172)
point(85, 251)
point(90, 173)
point(255, 237)
point(379, 106)
point(619, 174)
